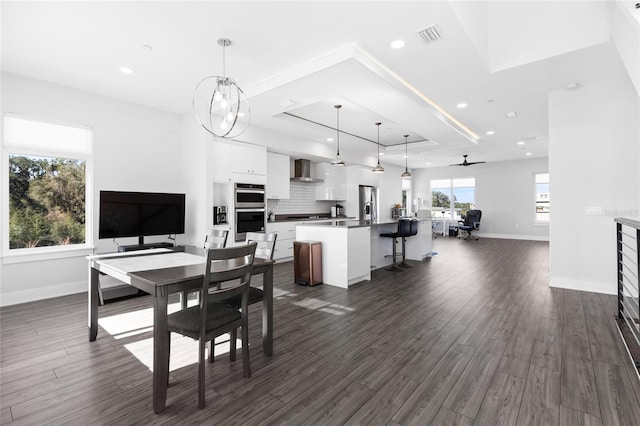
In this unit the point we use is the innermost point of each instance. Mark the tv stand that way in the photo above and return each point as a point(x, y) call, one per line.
point(134, 247)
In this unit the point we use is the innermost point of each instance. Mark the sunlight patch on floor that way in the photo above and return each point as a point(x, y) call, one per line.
point(323, 306)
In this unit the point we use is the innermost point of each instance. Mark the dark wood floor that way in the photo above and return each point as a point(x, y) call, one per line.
point(472, 336)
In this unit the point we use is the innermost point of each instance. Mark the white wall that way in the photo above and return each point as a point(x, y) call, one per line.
point(135, 148)
point(505, 192)
point(593, 160)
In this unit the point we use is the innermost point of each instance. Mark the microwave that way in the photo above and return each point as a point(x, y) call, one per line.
point(249, 196)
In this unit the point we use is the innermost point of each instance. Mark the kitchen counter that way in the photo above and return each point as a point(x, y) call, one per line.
point(302, 218)
point(352, 248)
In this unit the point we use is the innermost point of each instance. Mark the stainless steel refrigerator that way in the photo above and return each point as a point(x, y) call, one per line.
point(368, 202)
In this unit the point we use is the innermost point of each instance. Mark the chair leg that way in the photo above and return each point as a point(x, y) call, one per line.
point(183, 299)
point(233, 338)
point(246, 367)
point(202, 345)
point(168, 355)
point(212, 353)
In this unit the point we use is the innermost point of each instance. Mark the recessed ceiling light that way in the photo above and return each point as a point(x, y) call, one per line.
point(147, 47)
point(397, 44)
point(528, 153)
point(511, 114)
point(490, 132)
point(462, 105)
point(428, 163)
point(405, 156)
point(490, 100)
point(520, 142)
point(572, 86)
point(381, 154)
point(329, 139)
point(126, 70)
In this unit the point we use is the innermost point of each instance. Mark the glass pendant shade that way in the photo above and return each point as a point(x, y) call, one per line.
point(337, 161)
point(220, 105)
point(378, 168)
point(406, 174)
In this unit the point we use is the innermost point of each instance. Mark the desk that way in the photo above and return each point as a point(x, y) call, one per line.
point(161, 272)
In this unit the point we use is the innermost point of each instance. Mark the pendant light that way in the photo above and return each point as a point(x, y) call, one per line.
point(378, 168)
point(337, 161)
point(407, 173)
point(219, 103)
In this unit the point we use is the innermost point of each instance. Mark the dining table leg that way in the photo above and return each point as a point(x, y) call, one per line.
point(93, 303)
point(160, 350)
point(267, 311)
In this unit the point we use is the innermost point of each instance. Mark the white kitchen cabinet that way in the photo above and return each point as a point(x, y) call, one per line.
point(284, 242)
point(249, 159)
point(220, 161)
point(334, 185)
point(278, 184)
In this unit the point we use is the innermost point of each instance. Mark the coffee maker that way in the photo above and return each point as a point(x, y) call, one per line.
point(219, 215)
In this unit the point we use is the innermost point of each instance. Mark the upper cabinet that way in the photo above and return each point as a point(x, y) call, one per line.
point(334, 187)
point(238, 162)
point(277, 176)
point(220, 161)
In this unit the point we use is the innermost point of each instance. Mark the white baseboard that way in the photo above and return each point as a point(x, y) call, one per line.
point(514, 237)
point(31, 295)
point(584, 285)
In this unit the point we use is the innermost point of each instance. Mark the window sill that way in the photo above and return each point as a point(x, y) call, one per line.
point(45, 253)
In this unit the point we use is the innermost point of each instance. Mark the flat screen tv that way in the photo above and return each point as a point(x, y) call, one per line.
point(140, 214)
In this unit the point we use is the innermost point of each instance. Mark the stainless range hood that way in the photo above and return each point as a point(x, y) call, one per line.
point(302, 172)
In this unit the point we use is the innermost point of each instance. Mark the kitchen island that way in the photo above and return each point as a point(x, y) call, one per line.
point(352, 248)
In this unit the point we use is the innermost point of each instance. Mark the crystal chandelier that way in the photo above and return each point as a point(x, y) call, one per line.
point(219, 103)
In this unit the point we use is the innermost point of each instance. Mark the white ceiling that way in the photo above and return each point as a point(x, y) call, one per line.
point(495, 56)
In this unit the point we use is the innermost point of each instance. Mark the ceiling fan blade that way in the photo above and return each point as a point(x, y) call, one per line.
point(457, 164)
point(475, 162)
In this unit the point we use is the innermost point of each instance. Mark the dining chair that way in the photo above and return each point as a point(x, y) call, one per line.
point(227, 274)
point(214, 238)
point(265, 249)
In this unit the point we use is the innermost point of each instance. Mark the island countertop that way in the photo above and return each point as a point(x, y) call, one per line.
point(353, 223)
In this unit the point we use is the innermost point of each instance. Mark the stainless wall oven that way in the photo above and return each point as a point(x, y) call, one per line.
point(248, 220)
point(250, 209)
point(249, 196)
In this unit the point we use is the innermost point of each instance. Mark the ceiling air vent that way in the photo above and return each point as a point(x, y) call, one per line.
point(429, 34)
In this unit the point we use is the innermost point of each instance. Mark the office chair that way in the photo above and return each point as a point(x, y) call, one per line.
point(470, 223)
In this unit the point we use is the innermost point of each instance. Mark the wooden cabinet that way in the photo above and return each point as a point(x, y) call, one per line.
point(334, 185)
point(278, 184)
point(284, 243)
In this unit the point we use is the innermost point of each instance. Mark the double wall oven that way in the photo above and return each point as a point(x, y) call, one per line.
point(250, 204)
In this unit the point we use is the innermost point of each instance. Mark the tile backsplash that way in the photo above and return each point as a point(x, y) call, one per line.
point(302, 199)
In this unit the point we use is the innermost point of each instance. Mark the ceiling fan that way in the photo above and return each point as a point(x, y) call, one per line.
point(467, 163)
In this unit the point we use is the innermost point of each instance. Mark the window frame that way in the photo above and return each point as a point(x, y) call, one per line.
point(46, 252)
point(452, 204)
point(537, 222)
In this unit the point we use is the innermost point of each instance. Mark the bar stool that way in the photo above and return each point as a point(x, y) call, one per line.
point(404, 230)
point(413, 231)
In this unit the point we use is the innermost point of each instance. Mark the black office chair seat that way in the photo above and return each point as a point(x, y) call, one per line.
point(404, 230)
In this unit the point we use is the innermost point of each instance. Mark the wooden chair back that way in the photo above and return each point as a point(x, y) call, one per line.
point(216, 238)
point(266, 243)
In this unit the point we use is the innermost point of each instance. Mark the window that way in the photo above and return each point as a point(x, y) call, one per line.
point(47, 174)
point(542, 197)
point(461, 191)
